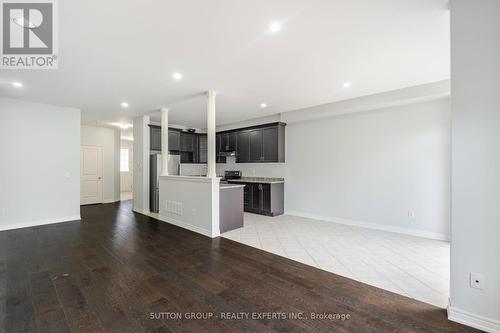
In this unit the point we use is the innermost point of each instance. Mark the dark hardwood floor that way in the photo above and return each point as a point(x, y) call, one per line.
point(117, 271)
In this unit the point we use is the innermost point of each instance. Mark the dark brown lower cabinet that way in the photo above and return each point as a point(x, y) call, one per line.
point(263, 198)
point(247, 200)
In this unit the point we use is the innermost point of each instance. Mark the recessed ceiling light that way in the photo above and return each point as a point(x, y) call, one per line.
point(122, 125)
point(177, 76)
point(263, 105)
point(17, 84)
point(347, 84)
point(275, 27)
point(124, 104)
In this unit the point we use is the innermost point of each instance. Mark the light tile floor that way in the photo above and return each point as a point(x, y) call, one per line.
point(411, 266)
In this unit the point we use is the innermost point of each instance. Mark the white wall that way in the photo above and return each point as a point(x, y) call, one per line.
point(109, 139)
point(475, 100)
point(373, 167)
point(40, 164)
point(198, 198)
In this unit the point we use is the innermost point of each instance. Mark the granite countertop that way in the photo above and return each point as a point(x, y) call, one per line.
point(262, 180)
point(226, 186)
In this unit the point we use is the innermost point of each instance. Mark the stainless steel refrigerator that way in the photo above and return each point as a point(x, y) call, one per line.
point(155, 173)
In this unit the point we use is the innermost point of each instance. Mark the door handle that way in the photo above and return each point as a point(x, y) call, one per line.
point(99, 177)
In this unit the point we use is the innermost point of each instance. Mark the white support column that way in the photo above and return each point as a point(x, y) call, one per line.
point(211, 171)
point(164, 142)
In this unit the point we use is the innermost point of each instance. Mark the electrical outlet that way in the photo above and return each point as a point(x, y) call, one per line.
point(194, 211)
point(2, 211)
point(411, 214)
point(477, 281)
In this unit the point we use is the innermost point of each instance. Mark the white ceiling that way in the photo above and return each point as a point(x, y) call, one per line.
point(123, 50)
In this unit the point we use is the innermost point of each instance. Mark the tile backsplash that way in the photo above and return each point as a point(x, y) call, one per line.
point(187, 169)
point(272, 170)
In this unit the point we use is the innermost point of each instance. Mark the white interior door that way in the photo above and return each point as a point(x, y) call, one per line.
point(91, 175)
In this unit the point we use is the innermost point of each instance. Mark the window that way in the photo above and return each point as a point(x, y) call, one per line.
point(124, 160)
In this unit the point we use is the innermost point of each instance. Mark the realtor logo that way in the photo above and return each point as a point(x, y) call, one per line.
point(29, 39)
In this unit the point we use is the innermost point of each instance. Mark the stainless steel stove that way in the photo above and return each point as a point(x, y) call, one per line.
point(231, 174)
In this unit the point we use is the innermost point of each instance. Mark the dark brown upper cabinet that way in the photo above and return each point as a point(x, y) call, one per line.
point(256, 144)
point(271, 144)
point(219, 144)
point(243, 147)
point(187, 142)
point(174, 140)
point(228, 141)
point(155, 138)
point(202, 148)
point(265, 144)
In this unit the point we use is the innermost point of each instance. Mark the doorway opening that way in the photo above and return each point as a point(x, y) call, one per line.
point(126, 170)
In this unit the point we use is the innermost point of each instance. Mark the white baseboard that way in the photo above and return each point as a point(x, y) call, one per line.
point(29, 224)
point(473, 320)
point(141, 211)
point(376, 226)
point(188, 226)
point(178, 223)
point(110, 201)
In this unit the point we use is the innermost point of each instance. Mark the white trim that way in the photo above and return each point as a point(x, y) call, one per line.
point(164, 141)
point(211, 135)
point(188, 226)
point(375, 226)
point(110, 201)
point(142, 211)
point(178, 223)
point(215, 207)
point(473, 320)
point(29, 224)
